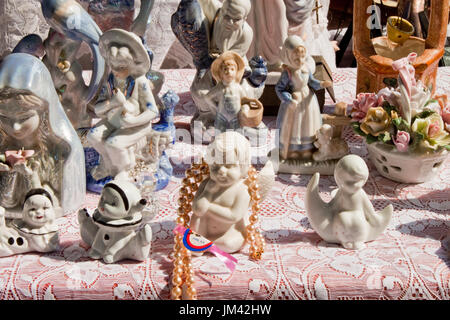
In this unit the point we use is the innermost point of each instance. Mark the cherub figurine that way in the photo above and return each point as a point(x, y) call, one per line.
point(299, 116)
point(116, 230)
point(228, 96)
point(32, 118)
point(129, 107)
point(349, 218)
point(328, 146)
point(221, 203)
point(35, 231)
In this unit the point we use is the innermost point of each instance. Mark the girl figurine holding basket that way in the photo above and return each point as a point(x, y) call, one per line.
point(299, 115)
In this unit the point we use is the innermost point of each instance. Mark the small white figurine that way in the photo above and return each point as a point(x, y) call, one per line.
point(228, 97)
point(129, 107)
point(329, 147)
point(349, 218)
point(117, 231)
point(35, 231)
point(221, 203)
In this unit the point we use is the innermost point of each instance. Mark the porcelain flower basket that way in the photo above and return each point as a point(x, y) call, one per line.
point(405, 167)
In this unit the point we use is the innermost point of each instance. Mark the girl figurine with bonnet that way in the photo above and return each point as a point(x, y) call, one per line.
point(299, 115)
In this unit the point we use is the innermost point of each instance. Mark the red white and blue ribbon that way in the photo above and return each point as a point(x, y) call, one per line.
point(197, 243)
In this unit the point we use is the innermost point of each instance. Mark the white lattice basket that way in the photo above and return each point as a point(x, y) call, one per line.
point(405, 167)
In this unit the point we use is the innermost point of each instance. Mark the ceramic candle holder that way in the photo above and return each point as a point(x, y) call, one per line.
point(349, 218)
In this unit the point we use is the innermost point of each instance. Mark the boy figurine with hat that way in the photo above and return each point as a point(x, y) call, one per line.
point(117, 229)
point(129, 107)
point(228, 97)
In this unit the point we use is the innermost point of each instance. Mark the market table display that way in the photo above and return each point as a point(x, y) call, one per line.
point(410, 260)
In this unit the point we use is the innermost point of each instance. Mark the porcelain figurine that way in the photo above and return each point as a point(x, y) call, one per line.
point(117, 230)
point(129, 107)
point(228, 97)
point(270, 26)
point(349, 218)
point(35, 231)
point(31, 44)
point(69, 18)
point(329, 147)
point(32, 118)
point(222, 201)
point(299, 116)
point(207, 29)
point(66, 71)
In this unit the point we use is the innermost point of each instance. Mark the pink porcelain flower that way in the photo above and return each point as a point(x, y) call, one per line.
point(401, 141)
point(362, 104)
point(17, 157)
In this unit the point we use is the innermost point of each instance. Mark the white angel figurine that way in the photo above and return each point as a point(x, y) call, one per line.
point(349, 218)
point(117, 230)
point(222, 201)
point(35, 231)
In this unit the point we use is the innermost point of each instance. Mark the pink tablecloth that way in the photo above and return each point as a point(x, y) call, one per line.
point(409, 261)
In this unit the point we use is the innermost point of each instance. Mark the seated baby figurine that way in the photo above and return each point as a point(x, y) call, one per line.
point(116, 230)
point(129, 106)
point(329, 147)
point(228, 97)
point(220, 205)
point(35, 231)
point(349, 218)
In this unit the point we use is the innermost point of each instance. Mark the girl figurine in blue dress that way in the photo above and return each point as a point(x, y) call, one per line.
point(299, 115)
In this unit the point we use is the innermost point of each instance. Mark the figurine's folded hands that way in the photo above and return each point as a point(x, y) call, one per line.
point(200, 206)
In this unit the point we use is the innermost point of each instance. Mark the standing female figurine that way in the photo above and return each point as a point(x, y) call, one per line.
point(299, 116)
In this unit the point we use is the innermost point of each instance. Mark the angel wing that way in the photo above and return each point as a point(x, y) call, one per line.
point(266, 179)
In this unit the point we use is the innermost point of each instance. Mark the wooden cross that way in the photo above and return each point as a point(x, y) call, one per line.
point(316, 9)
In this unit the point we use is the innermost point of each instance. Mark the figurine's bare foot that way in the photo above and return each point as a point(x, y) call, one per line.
point(197, 253)
point(146, 235)
point(357, 245)
point(300, 155)
point(99, 172)
point(94, 254)
point(108, 258)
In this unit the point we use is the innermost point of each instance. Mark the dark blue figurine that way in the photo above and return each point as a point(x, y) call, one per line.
point(31, 44)
point(190, 29)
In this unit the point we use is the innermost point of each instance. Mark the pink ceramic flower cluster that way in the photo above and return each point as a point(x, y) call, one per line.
point(362, 104)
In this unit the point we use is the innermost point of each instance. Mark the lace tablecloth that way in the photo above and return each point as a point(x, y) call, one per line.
point(409, 261)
